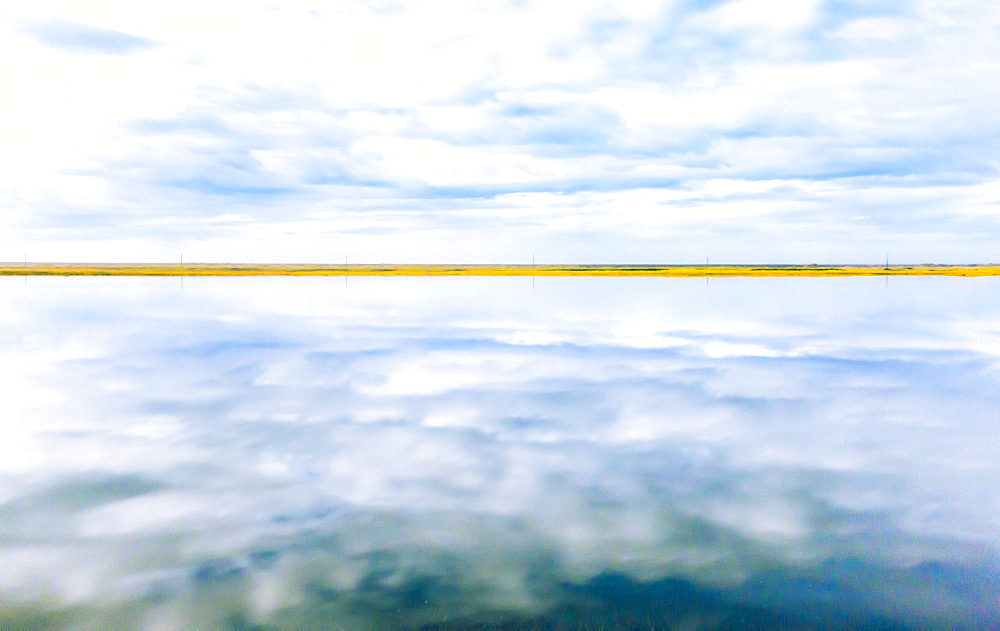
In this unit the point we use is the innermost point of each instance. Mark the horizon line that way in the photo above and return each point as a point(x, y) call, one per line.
point(494, 269)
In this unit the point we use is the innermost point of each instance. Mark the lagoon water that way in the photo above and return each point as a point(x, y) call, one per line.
point(499, 453)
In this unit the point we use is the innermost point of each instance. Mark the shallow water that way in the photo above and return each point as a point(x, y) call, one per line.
point(451, 453)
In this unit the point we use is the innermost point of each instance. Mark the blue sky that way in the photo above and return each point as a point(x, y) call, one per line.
point(491, 131)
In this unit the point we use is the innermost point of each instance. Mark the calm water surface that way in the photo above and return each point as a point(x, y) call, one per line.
point(499, 453)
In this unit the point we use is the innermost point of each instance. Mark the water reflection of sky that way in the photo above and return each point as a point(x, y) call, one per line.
point(404, 451)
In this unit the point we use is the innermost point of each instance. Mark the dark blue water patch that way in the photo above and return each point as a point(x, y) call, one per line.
point(847, 594)
point(307, 516)
point(931, 595)
point(218, 571)
point(264, 559)
point(615, 602)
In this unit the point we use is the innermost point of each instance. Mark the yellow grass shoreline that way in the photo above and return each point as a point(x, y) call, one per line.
point(672, 271)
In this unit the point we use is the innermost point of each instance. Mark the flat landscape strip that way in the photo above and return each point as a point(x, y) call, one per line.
point(42, 269)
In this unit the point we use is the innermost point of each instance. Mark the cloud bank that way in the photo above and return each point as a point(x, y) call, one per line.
point(488, 131)
point(74, 37)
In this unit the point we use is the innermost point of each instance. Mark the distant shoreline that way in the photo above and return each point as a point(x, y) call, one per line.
point(673, 271)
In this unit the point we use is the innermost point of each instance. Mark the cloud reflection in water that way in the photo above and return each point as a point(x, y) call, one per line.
point(294, 452)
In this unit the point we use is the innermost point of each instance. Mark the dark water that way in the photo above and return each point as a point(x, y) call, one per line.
point(488, 453)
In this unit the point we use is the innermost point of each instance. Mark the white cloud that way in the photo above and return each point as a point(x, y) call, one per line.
point(282, 114)
point(772, 15)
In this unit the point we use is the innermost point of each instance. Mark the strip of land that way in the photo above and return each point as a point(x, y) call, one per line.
point(697, 271)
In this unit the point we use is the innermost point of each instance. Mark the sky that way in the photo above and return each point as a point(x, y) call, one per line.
point(489, 131)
